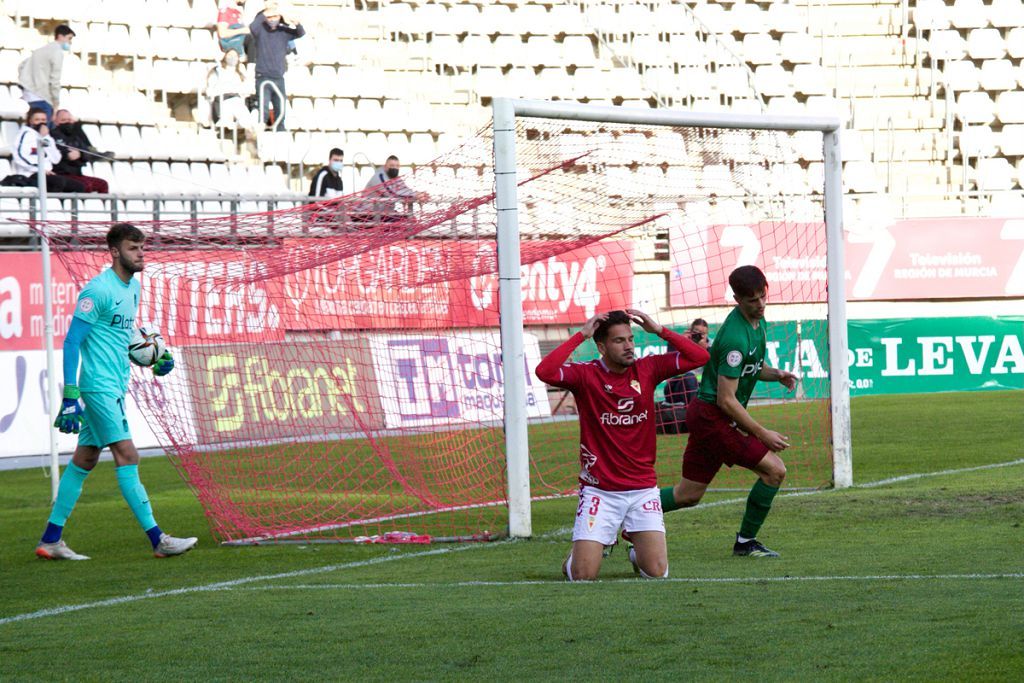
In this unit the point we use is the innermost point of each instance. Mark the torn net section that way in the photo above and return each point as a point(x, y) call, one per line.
point(339, 370)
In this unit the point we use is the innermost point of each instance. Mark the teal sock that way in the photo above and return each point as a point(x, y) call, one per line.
point(67, 495)
point(135, 494)
point(759, 502)
point(668, 499)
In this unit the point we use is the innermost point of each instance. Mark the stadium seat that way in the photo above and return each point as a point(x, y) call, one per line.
point(1010, 107)
point(1015, 42)
point(761, 48)
point(977, 141)
point(931, 15)
point(859, 176)
point(773, 81)
point(799, 48)
point(1006, 13)
point(747, 17)
point(960, 75)
point(811, 79)
point(998, 74)
point(985, 43)
point(994, 174)
point(969, 14)
point(975, 108)
point(785, 17)
point(733, 81)
point(946, 45)
point(1011, 140)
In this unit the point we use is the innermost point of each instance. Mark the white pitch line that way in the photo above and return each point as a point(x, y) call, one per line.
point(671, 579)
point(555, 533)
point(227, 585)
point(222, 585)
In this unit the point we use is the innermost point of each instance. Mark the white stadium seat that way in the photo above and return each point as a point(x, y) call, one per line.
point(1006, 13)
point(960, 75)
point(969, 14)
point(994, 174)
point(946, 45)
point(975, 108)
point(998, 74)
point(1011, 140)
point(1010, 107)
point(985, 43)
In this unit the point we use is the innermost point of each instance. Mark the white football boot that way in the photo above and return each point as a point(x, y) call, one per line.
point(58, 551)
point(169, 546)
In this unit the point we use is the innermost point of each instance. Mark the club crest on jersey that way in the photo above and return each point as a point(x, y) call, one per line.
point(734, 358)
point(608, 388)
point(590, 522)
point(635, 384)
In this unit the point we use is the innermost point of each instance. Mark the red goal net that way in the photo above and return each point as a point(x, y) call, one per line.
point(339, 372)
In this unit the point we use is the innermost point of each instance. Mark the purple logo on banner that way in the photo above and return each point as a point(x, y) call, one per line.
point(426, 387)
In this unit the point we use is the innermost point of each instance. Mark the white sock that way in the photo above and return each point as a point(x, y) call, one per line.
point(568, 567)
point(741, 539)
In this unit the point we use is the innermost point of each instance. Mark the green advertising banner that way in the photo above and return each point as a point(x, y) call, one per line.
point(887, 356)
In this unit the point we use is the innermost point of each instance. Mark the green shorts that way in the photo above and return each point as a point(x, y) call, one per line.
point(104, 421)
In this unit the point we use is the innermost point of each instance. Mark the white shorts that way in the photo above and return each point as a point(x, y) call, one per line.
point(601, 514)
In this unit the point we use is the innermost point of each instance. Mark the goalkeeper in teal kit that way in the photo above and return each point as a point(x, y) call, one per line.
point(100, 332)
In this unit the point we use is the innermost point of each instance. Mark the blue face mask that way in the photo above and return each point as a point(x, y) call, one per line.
point(66, 47)
point(336, 166)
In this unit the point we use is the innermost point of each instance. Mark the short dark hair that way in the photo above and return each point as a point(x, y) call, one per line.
point(32, 112)
point(120, 232)
point(336, 152)
point(63, 30)
point(747, 280)
point(698, 322)
point(614, 318)
point(390, 158)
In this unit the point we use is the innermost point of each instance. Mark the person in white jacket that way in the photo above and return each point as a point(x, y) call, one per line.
point(25, 160)
point(39, 73)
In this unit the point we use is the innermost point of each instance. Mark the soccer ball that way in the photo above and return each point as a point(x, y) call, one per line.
point(147, 345)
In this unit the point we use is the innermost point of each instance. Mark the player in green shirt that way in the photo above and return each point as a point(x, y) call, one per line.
point(721, 429)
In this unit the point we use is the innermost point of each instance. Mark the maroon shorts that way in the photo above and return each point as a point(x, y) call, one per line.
point(715, 440)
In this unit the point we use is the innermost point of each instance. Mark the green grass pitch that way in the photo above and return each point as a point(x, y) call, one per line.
point(921, 578)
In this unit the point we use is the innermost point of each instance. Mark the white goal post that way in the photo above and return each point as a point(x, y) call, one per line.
point(505, 112)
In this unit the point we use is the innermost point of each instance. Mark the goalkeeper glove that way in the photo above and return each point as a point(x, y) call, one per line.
point(69, 420)
point(163, 364)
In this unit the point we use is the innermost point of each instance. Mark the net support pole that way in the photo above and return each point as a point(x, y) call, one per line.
point(51, 365)
point(839, 369)
point(513, 358)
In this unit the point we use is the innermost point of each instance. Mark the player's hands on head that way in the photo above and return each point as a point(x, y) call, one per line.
point(775, 442)
point(643, 320)
point(788, 380)
point(590, 326)
point(69, 419)
point(163, 364)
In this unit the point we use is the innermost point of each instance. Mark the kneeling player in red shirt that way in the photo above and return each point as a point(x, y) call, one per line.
point(615, 399)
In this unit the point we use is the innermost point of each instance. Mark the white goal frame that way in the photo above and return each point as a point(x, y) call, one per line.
point(505, 112)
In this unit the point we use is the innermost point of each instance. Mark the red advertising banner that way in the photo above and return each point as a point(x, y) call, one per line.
point(21, 301)
point(943, 258)
point(567, 288)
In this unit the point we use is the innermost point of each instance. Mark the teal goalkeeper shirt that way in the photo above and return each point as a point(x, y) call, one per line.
point(109, 305)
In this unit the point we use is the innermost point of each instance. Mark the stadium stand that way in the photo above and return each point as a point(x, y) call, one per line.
point(915, 81)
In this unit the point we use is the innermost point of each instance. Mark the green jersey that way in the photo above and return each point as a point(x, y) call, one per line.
point(108, 303)
point(738, 351)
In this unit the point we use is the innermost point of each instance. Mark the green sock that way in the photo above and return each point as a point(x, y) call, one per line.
point(668, 499)
point(759, 502)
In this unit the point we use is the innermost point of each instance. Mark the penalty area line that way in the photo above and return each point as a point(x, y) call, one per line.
point(671, 579)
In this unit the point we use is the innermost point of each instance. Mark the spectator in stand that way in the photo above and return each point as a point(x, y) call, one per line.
point(231, 32)
point(75, 151)
point(327, 181)
point(39, 73)
point(25, 162)
point(226, 88)
point(391, 198)
point(682, 389)
point(270, 34)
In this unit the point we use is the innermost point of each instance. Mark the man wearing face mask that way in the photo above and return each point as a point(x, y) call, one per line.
point(327, 181)
point(25, 161)
point(75, 150)
point(39, 73)
point(392, 197)
point(271, 33)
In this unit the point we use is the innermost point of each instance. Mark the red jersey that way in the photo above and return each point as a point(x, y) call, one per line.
point(229, 13)
point(617, 434)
